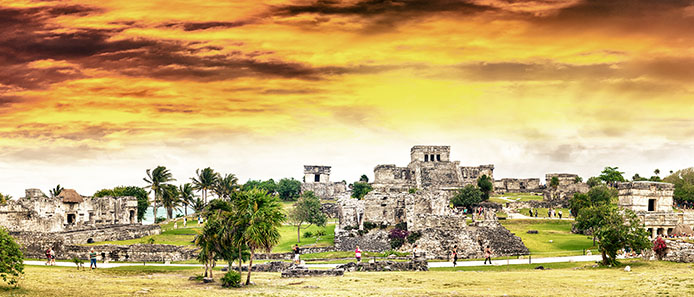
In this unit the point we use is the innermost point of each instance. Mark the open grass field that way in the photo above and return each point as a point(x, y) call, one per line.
point(564, 243)
point(511, 197)
point(542, 212)
point(566, 279)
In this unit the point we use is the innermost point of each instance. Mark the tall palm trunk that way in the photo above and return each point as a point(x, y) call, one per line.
point(298, 233)
point(169, 212)
point(239, 260)
point(250, 267)
point(204, 194)
point(211, 266)
point(154, 207)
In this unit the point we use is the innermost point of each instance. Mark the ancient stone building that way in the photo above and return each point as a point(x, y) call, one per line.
point(430, 168)
point(569, 185)
point(40, 213)
point(652, 202)
point(317, 179)
point(419, 196)
point(565, 179)
point(517, 185)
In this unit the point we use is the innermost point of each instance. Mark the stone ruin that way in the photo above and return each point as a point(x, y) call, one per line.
point(652, 202)
point(517, 185)
point(418, 196)
point(317, 179)
point(39, 221)
point(569, 184)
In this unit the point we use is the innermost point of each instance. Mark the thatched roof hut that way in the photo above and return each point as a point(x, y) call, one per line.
point(70, 196)
point(682, 230)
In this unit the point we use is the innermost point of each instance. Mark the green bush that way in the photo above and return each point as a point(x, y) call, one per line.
point(369, 225)
point(414, 236)
point(396, 243)
point(159, 220)
point(231, 279)
point(11, 259)
point(308, 234)
point(320, 233)
point(401, 226)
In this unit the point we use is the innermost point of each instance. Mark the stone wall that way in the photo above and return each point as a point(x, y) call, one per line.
point(388, 265)
point(517, 185)
point(34, 244)
point(298, 271)
point(331, 210)
point(321, 172)
point(678, 251)
point(132, 253)
point(325, 190)
point(636, 195)
point(560, 196)
point(565, 179)
point(373, 241)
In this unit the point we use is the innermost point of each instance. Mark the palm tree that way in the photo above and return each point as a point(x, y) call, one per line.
point(226, 186)
point(156, 179)
point(657, 172)
point(206, 240)
point(206, 179)
point(55, 192)
point(198, 205)
point(259, 215)
point(169, 199)
point(185, 194)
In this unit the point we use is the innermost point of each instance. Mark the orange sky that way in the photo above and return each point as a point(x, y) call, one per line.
point(94, 93)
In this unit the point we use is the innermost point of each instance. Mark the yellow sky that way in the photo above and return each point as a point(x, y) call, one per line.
point(92, 94)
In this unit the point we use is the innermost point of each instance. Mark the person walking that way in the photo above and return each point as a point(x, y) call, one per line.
point(531, 212)
point(454, 253)
point(357, 254)
point(92, 259)
point(414, 252)
point(487, 255)
point(48, 256)
point(560, 214)
point(297, 252)
point(52, 257)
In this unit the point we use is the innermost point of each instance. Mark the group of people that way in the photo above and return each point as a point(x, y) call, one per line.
point(551, 213)
point(50, 257)
point(487, 255)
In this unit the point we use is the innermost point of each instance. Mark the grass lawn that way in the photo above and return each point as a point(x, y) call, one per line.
point(571, 279)
point(511, 197)
point(564, 243)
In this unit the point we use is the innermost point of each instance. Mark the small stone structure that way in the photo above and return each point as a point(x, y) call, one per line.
point(652, 202)
point(300, 271)
point(317, 179)
point(677, 251)
point(38, 213)
point(568, 186)
point(517, 185)
point(388, 265)
point(419, 196)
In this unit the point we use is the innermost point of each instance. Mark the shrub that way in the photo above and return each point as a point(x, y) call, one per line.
point(397, 237)
point(78, 262)
point(159, 220)
point(369, 225)
point(412, 190)
point(393, 252)
point(383, 225)
point(11, 257)
point(401, 226)
point(320, 233)
point(231, 279)
point(414, 236)
point(659, 247)
point(350, 228)
point(362, 232)
point(308, 234)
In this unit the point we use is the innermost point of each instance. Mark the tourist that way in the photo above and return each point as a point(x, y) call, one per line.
point(549, 213)
point(92, 259)
point(185, 221)
point(199, 220)
point(536, 212)
point(531, 212)
point(454, 253)
point(357, 254)
point(48, 256)
point(297, 252)
point(414, 252)
point(560, 214)
point(52, 257)
point(487, 255)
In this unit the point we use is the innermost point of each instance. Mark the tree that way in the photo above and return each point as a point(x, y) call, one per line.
point(638, 177)
point(684, 184)
point(364, 178)
point(360, 189)
point(578, 179)
point(554, 182)
point(307, 210)
point(122, 191)
point(611, 175)
point(11, 259)
point(260, 216)
point(56, 191)
point(656, 172)
point(289, 189)
point(593, 181)
point(206, 179)
point(198, 205)
point(486, 186)
point(207, 240)
point(186, 196)
point(4, 198)
point(596, 196)
point(620, 228)
point(226, 186)
point(467, 197)
point(170, 199)
point(156, 179)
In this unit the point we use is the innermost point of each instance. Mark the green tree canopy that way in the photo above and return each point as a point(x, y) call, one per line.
point(467, 196)
point(170, 199)
point(594, 181)
point(364, 178)
point(611, 174)
point(226, 186)
point(185, 194)
point(596, 196)
point(204, 181)
point(289, 189)
point(554, 182)
point(360, 189)
point(486, 185)
point(268, 185)
point(617, 229)
point(122, 191)
point(11, 259)
point(56, 191)
point(156, 179)
point(4, 198)
point(307, 210)
point(684, 184)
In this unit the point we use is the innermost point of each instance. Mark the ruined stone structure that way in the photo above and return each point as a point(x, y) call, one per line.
point(317, 179)
point(39, 213)
point(568, 186)
point(517, 185)
point(419, 196)
point(37, 221)
point(430, 168)
point(652, 202)
point(565, 179)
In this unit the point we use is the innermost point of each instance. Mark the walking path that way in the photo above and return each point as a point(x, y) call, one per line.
point(431, 264)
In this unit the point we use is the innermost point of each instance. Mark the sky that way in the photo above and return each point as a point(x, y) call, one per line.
point(93, 93)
